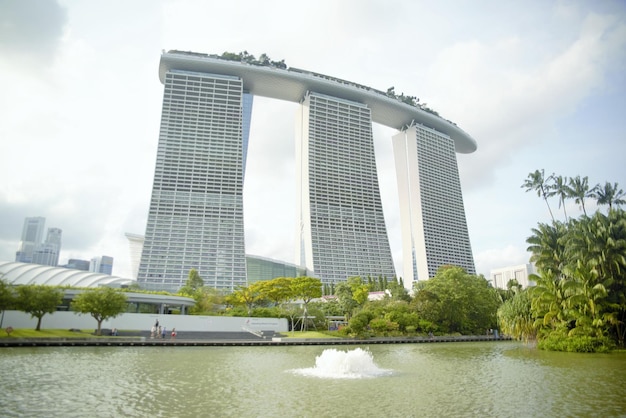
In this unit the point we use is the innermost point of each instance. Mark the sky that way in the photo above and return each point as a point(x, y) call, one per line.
point(538, 84)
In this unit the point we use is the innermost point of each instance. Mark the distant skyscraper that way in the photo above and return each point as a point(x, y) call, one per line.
point(76, 264)
point(342, 227)
point(32, 235)
point(48, 252)
point(102, 264)
point(196, 210)
point(434, 229)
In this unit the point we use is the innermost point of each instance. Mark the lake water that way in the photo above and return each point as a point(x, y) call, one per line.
point(482, 379)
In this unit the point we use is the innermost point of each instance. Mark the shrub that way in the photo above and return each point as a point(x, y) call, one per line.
point(558, 341)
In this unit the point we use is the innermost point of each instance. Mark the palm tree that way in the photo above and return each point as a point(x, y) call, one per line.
point(559, 188)
point(537, 182)
point(546, 247)
point(609, 195)
point(578, 189)
point(596, 250)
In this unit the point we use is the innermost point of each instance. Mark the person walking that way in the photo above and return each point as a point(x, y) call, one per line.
point(163, 333)
point(173, 334)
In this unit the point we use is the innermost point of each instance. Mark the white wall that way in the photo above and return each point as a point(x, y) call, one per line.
point(135, 321)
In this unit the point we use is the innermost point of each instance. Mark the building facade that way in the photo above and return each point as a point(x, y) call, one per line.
point(33, 249)
point(342, 228)
point(196, 210)
point(47, 253)
point(521, 273)
point(432, 215)
point(101, 264)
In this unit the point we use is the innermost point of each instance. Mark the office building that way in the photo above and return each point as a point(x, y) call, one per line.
point(77, 264)
point(47, 253)
point(32, 235)
point(102, 264)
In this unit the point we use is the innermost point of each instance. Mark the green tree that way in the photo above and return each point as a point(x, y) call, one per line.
point(306, 289)
point(515, 316)
point(547, 248)
point(457, 301)
point(38, 300)
point(208, 299)
point(101, 303)
point(609, 195)
point(596, 250)
point(7, 298)
point(578, 189)
point(193, 284)
point(247, 296)
point(278, 290)
point(537, 182)
point(559, 188)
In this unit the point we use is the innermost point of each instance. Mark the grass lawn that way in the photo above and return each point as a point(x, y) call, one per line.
point(46, 333)
point(307, 334)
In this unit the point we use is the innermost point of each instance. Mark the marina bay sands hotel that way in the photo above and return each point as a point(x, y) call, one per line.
point(196, 209)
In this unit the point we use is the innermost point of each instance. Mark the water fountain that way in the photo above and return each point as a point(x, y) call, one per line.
point(338, 364)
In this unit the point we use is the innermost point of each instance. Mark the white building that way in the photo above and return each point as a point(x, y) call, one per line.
point(196, 210)
point(500, 278)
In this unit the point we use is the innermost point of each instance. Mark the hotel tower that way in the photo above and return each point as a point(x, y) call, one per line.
point(196, 209)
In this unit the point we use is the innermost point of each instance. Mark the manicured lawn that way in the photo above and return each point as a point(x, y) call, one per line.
point(307, 334)
point(46, 333)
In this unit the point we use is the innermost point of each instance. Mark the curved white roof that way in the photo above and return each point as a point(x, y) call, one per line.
point(292, 85)
point(25, 273)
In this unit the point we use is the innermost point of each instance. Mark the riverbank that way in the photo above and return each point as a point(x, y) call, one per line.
point(236, 340)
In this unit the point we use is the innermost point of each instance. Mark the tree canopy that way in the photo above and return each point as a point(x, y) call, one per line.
point(38, 300)
point(101, 303)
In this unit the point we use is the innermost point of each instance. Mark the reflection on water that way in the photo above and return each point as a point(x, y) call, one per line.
point(494, 379)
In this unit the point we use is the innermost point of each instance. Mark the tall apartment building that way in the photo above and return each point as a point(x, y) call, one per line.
point(32, 235)
point(342, 227)
point(196, 209)
point(432, 215)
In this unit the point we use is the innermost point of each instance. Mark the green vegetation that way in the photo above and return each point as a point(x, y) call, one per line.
point(38, 300)
point(101, 303)
point(579, 301)
point(48, 333)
